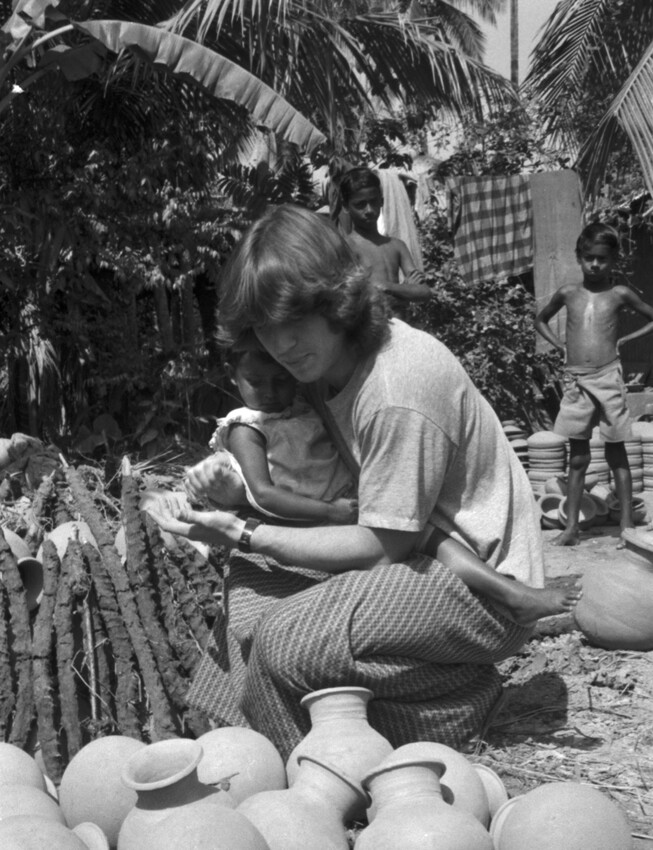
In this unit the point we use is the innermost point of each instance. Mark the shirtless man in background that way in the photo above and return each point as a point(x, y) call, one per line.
point(593, 387)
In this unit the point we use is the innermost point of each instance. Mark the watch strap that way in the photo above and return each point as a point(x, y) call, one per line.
point(251, 524)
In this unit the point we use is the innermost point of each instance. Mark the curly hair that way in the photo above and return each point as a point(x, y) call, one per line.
point(290, 264)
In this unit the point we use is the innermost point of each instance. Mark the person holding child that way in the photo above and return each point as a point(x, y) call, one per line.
point(367, 603)
point(385, 256)
point(593, 387)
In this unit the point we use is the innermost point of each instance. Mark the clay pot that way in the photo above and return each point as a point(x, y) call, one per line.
point(26, 832)
point(562, 814)
point(30, 568)
point(494, 788)
point(411, 812)
point(549, 506)
point(27, 800)
point(19, 768)
point(65, 532)
point(92, 789)
point(243, 759)
point(586, 514)
point(461, 786)
point(312, 813)
point(638, 509)
point(340, 734)
point(556, 485)
point(219, 828)
point(614, 611)
point(164, 776)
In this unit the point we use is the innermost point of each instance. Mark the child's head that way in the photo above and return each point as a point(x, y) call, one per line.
point(357, 179)
point(598, 234)
point(263, 384)
point(360, 190)
point(291, 264)
point(597, 250)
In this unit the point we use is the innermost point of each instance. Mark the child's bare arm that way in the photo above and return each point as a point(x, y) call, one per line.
point(414, 287)
point(545, 315)
point(248, 447)
point(631, 299)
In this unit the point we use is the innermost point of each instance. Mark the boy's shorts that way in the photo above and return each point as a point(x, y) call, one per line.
point(594, 397)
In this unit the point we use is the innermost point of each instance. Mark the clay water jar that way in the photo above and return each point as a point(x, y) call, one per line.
point(26, 832)
point(92, 789)
point(63, 533)
point(30, 568)
point(241, 760)
point(164, 776)
point(30, 801)
point(218, 828)
point(561, 815)
point(311, 813)
point(460, 786)
point(19, 768)
point(615, 610)
point(340, 734)
point(411, 812)
point(494, 788)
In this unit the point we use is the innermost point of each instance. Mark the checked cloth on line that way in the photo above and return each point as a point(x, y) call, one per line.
point(492, 221)
point(412, 633)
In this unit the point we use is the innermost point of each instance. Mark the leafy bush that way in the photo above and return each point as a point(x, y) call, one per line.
point(489, 326)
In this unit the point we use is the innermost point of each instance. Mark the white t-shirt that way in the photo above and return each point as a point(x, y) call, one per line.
point(432, 450)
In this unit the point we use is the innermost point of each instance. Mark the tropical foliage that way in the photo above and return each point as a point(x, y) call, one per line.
point(127, 170)
point(593, 71)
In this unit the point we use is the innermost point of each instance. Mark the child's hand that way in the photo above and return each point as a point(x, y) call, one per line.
point(343, 511)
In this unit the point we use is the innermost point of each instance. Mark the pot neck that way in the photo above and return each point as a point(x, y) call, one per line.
point(344, 706)
point(404, 783)
point(179, 792)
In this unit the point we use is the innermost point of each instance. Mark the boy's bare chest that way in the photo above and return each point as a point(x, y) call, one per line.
point(594, 309)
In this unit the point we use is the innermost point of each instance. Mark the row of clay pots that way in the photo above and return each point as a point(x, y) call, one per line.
point(141, 797)
point(30, 815)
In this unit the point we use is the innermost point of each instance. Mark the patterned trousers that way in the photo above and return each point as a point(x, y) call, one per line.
point(412, 633)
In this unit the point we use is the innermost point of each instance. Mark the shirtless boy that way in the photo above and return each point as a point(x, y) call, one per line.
point(594, 391)
point(385, 256)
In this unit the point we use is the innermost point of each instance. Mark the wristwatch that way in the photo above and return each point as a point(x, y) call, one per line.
point(251, 524)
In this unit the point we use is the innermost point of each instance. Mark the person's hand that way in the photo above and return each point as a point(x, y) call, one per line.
point(215, 479)
point(218, 528)
point(343, 511)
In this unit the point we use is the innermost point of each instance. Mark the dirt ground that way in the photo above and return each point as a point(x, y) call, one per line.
point(573, 712)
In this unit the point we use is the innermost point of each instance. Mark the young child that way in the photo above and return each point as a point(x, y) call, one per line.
point(290, 469)
point(594, 391)
point(385, 256)
point(278, 445)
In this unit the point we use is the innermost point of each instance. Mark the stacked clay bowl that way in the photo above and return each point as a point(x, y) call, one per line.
point(598, 468)
point(638, 508)
point(549, 505)
point(586, 515)
point(634, 452)
point(645, 432)
point(517, 439)
point(546, 458)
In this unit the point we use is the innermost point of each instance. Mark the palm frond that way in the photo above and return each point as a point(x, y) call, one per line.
point(217, 74)
point(631, 112)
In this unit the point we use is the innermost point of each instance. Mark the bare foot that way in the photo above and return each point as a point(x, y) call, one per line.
point(526, 604)
point(622, 543)
point(569, 537)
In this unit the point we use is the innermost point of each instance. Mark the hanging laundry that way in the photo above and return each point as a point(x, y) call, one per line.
point(492, 222)
point(397, 213)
